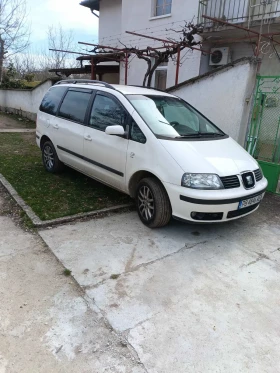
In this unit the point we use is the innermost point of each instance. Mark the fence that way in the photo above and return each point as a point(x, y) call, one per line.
point(264, 137)
point(26, 102)
point(238, 11)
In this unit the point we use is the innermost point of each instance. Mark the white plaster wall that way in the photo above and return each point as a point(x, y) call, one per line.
point(222, 98)
point(110, 20)
point(27, 101)
point(138, 16)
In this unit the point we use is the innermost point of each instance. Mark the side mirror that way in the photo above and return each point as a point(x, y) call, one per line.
point(115, 130)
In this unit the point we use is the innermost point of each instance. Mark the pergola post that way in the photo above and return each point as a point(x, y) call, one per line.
point(126, 69)
point(93, 70)
point(178, 66)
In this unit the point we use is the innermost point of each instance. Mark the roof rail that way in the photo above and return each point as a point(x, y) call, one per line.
point(140, 86)
point(85, 81)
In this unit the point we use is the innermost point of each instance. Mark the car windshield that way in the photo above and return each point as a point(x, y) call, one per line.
point(171, 117)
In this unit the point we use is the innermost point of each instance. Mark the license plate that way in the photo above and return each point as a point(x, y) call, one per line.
point(250, 201)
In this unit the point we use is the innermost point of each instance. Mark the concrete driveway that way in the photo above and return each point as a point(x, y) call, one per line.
point(189, 298)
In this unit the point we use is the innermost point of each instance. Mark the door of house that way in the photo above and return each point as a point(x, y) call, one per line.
point(264, 135)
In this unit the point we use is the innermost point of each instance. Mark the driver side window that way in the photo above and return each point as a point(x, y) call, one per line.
point(106, 112)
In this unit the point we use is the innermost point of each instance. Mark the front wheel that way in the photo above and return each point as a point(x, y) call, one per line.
point(152, 203)
point(50, 159)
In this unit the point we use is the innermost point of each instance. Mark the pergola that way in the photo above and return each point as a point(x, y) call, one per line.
point(94, 68)
point(122, 54)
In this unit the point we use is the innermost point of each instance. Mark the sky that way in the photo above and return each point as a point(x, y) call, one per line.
point(69, 13)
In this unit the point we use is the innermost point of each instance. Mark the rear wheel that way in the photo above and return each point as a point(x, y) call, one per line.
point(50, 159)
point(152, 203)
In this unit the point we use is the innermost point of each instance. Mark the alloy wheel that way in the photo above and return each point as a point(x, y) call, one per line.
point(48, 157)
point(146, 203)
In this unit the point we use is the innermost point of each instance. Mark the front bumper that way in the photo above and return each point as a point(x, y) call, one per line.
point(217, 205)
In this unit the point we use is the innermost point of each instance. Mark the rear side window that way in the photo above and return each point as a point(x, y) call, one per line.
point(74, 105)
point(52, 100)
point(106, 112)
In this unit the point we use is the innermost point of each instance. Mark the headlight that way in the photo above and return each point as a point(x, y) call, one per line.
point(202, 181)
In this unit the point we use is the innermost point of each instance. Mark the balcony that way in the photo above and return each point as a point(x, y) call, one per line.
point(251, 13)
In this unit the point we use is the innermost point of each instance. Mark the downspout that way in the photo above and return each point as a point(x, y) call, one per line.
point(96, 15)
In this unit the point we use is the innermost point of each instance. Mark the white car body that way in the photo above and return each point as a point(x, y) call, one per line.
point(116, 161)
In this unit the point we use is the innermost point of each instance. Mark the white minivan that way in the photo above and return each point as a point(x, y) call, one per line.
point(151, 145)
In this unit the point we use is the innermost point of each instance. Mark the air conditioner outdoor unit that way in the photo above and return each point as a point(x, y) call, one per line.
point(219, 56)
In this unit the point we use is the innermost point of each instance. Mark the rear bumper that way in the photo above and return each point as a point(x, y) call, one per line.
point(212, 205)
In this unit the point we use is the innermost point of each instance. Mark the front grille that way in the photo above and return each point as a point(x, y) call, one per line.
point(258, 174)
point(235, 213)
point(230, 182)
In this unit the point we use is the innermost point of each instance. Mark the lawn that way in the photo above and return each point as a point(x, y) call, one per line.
point(50, 196)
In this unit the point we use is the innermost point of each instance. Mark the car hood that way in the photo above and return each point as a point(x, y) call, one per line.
point(223, 157)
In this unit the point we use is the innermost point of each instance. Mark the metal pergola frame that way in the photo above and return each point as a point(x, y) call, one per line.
point(123, 54)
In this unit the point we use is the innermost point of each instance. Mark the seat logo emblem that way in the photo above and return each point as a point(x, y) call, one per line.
point(249, 180)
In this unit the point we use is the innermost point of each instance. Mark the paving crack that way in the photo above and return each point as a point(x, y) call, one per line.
point(144, 265)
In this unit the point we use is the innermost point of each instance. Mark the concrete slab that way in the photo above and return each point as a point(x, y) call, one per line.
point(46, 324)
point(189, 298)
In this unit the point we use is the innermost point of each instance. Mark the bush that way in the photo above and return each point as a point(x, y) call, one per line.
point(9, 80)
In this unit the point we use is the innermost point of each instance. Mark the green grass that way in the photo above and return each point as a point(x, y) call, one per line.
point(50, 196)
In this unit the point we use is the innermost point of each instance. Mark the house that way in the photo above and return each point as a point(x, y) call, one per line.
point(164, 18)
point(241, 97)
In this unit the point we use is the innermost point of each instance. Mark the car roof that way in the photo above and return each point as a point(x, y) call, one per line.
point(124, 89)
point(134, 90)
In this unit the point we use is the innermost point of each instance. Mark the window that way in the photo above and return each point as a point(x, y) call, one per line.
point(52, 100)
point(74, 105)
point(106, 112)
point(136, 134)
point(161, 76)
point(162, 7)
point(173, 118)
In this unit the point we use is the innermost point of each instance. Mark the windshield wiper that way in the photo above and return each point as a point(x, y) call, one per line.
point(211, 134)
point(199, 135)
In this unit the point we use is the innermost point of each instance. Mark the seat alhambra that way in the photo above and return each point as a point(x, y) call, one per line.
point(151, 145)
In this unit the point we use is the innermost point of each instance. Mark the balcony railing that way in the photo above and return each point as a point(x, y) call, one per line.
point(238, 11)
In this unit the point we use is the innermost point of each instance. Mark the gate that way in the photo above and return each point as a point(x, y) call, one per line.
point(264, 137)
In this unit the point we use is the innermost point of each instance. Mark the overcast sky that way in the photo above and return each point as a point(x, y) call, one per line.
point(69, 13)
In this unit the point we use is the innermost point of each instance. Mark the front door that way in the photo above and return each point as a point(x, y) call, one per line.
point(105, 155)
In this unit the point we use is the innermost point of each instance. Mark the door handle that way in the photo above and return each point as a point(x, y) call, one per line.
point(88, 138)
point(55, 126)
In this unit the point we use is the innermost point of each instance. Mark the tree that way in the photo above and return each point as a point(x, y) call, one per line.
point(60, 40)
point(14, 29)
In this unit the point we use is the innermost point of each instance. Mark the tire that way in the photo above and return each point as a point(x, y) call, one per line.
point(50, 159)
point(152, 203)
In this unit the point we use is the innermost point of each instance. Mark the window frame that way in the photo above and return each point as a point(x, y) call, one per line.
point(155, 7)
point(130, 128)
point(76, 89)
point(117, 101)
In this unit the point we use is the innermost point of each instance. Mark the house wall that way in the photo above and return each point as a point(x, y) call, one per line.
point(23, 101)
point(110, 20)
point(225, 97)
point(138, 16)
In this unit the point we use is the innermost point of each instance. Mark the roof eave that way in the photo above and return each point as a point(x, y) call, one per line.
point(91, 4)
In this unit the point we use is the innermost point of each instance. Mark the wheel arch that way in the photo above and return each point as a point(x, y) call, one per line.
point(135, 179)
point(44, 139)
